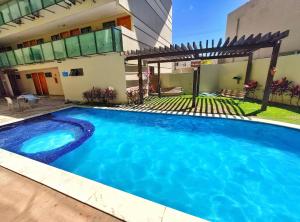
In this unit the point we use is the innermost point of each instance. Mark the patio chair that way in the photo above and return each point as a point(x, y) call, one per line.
point(172, 91)
point(233, 94)
point(10, 103)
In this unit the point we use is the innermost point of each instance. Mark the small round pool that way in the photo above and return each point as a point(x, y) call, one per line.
point(48, 141)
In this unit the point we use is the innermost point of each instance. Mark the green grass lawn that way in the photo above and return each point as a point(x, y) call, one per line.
point(274, 112)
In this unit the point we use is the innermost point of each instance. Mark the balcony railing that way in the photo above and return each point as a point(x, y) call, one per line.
point(98, 42)
point(14, 10)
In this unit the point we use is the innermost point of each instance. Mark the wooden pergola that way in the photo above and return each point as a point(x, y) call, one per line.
point(230, 48)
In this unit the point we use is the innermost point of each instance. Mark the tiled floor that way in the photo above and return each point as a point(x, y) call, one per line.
point(45, 104)
point(22, 199)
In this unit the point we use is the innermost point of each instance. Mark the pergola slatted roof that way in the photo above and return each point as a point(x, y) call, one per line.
point(235, 47)
point(230, 48)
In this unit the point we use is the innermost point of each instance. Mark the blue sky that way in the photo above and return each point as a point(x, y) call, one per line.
point(195, 20)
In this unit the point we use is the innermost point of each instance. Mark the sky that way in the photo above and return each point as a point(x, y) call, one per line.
point(195, 20)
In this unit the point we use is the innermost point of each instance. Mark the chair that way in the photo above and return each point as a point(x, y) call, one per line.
point(10, 103)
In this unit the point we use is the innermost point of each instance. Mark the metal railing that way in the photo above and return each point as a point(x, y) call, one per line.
point(98, 42)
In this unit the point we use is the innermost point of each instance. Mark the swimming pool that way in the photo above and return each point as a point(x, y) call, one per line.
point(216, 169)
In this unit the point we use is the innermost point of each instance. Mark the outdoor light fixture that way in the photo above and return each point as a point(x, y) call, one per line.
point(238, 79)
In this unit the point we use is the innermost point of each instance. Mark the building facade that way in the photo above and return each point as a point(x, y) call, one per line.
point(259, 16)
point(65, 47)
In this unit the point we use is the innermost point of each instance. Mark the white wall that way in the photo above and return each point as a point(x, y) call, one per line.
point(99, 71)
point(262, 16)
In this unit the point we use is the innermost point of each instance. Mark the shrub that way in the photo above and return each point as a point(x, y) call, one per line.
point(133, 96)
point(98, 95)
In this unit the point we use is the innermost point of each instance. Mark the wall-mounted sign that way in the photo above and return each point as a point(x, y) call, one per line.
point(196, 63)
point(65, 74)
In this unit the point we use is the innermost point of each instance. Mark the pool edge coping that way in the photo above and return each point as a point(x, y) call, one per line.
point(130, 212)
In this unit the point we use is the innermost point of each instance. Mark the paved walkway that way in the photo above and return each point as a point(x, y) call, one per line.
point(46, 104)
point(23, 200)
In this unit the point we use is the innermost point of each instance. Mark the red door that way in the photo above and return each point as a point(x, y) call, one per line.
point(40, 83)
point(37, 84)
point(43, 83)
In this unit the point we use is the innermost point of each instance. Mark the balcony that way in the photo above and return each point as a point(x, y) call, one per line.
point(98, 42)
point(14, 10)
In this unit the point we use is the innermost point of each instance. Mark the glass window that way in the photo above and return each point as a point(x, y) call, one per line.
point(24, 7)
point(72, 45)
point(118, 39)
point(5, 13)
point(48, 51)
point(36, 5)
point(11, 58)
point(28, 57)
point(88, 44)
point(104, 41)
point(19, 56)
point(48, 3)
point(55, 37)
point(59, 49)
point(14, 9)
point(37, 53)
point(107, 25)
point(4, 59)
point(86, 29)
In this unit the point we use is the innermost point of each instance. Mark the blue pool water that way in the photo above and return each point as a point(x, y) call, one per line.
point(216, 169)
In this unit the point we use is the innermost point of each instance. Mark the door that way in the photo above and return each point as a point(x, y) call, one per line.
point(40, 83)
point(43, 83)
point(37, 85)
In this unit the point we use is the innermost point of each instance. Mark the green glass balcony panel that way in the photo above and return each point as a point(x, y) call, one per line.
point(73, 48)
point(59, 49)
point(19, 56)
point(48, 3)
point(14, 9)
point(48, 51)
point(4, 60)
point(104, 41)
point(11, 58)
point(118, 40)
point(28, 57)
point(88, 44)
point(36, 5)
point(37, 53)
point(24, 7)
point(5, 13)
point(58, 1)
point(1, 20)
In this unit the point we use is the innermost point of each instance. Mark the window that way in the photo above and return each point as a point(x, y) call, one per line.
point(48, 74)
point(40, 41)
point(76, 72)
point(18, 76)
point(55, 37)
point(86, 29)
point(19, 46)
point(109, 24)
point(28, 76)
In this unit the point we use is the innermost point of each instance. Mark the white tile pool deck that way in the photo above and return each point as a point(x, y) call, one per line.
point(120, 204)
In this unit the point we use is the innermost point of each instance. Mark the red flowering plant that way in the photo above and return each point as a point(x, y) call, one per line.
point(99, 95)
point(109, 94)
point(294, 92)
point(280, 87)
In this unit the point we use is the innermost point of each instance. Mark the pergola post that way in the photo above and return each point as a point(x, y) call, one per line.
point(158, 80)
point(198, 80)
point(140, 75)
point(194, 88)
point(270, 77)
point(249, 68)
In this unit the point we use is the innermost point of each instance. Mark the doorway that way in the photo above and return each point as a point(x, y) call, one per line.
point(40, 83)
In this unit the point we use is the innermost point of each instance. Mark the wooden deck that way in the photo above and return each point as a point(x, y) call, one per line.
point(22, 200)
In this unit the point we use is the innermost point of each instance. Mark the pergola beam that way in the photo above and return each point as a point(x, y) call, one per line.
point(140, 75)
point(249, 68)
point(270, 77)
